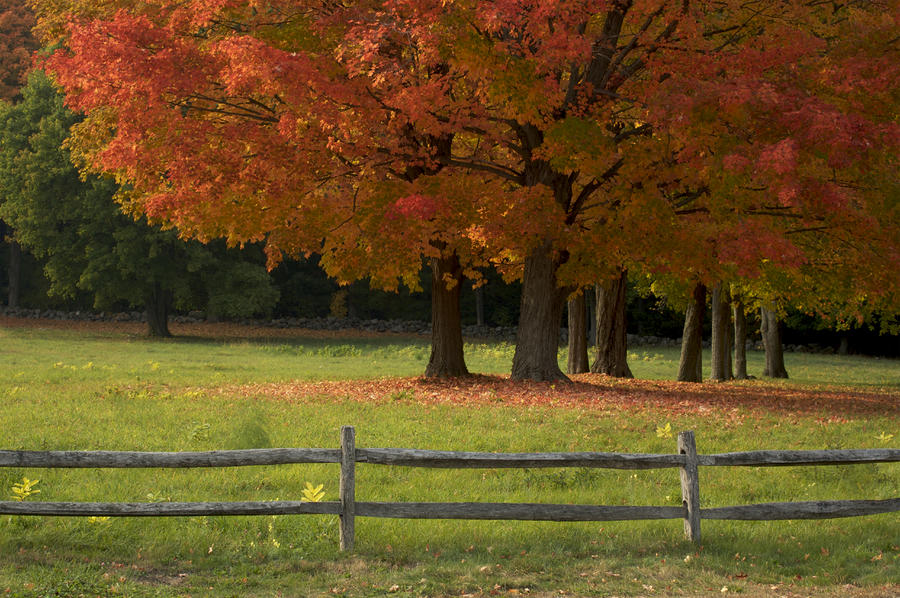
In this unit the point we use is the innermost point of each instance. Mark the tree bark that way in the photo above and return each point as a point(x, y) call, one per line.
point(590, 306)
point(15, 274)
point(721, 343)
point(447, 359)
point(537, 339)
point(740, 340)
point(157, 303)
point(578, 356)
point(611, 357)
point(729, 361)
point(844, 346)
point(690, 367)
point(771, 334)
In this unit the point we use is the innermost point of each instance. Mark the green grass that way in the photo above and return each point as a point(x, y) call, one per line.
point(57, 356)
point(61, 390)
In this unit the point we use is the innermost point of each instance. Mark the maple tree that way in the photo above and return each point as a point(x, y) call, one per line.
point(386, 239)
point(276, 150)
point(560, 140)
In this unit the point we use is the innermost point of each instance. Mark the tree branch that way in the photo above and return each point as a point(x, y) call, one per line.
point(501, 171)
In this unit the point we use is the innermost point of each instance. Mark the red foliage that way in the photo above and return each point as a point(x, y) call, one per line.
point(418, 207)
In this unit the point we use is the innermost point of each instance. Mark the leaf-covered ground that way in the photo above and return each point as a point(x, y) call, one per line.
point(597, 392)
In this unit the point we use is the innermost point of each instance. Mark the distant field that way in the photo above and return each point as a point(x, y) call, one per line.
point(106, 387)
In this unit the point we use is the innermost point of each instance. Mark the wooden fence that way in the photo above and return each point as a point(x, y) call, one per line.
point(348, 508)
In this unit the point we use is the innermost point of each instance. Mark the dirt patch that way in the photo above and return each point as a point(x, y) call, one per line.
point(153, 577)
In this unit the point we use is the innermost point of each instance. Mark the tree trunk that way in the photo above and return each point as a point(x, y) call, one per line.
point(157, 304)
point(721, 343)
point(690, 368)
point(611, 357)
point(590, 306)
point(15, 274)
point(844, 346)
point(537, 339)
point(730, 330)
point(740, 340)
point(771, 334)
point(578, 357)
point(447, 360)
point(479, 305)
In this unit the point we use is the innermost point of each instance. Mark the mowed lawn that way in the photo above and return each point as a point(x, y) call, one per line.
point(107, 387)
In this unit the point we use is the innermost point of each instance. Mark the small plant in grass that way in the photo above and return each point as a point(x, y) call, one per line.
point(24, 489)
point(200, 432)
point(21, 491)
point(664, 431)
point(271, 528)
point(312, 493)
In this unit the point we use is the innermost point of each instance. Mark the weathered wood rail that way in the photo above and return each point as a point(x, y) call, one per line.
point(348, 508)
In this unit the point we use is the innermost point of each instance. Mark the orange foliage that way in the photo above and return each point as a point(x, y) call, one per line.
point(682, 137)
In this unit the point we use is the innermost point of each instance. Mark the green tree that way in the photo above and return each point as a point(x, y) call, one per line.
point(16, 45)
point(85, 241)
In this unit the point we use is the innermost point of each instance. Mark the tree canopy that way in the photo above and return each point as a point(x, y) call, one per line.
point(562, 140)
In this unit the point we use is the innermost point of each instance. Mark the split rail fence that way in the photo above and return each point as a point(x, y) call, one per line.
point(348, 508)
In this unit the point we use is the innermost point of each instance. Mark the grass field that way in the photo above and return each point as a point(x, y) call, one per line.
point(106, 387)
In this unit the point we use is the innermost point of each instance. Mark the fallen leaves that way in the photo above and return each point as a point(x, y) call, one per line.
point(594, 392)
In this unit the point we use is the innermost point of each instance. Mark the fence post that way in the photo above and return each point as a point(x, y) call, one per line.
point(348, 486)
point(690, 486)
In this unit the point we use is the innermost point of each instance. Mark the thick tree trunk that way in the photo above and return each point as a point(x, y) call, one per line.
point(157, 304)
point(15, 274)
point(447, 360)
point(611, 357)
point(771, 335)
point(740, 340)
point(537, 340)
point(690, 368)
point(578, 356)
point(721, 341)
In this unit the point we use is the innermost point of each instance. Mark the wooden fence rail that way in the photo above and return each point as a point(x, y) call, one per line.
point(348, 508)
